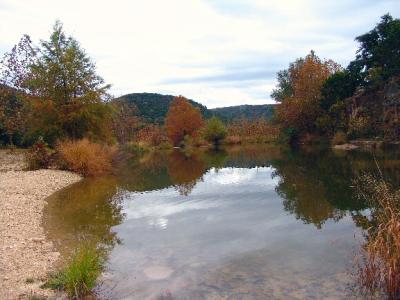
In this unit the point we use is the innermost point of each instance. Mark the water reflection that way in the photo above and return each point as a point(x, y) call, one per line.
point(85, 212)
point(225, 224)
point(185, 170)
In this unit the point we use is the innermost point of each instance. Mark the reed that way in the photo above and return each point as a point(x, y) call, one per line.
point(379, 266)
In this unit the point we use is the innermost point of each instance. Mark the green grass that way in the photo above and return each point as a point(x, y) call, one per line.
point(79, 276)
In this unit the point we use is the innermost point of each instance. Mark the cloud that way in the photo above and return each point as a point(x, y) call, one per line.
point(238, 76)
point(218, 52)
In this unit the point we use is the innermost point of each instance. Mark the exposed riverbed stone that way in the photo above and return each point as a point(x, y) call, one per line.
point(345, 147)
point(26, 256)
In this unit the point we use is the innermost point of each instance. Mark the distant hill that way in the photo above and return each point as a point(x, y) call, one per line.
point(227, 114)
point(154, 107)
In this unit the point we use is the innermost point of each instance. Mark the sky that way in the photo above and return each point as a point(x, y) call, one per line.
point(216, 52)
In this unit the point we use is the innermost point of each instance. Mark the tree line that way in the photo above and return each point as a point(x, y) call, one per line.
point(52, 92)
point(320, 98)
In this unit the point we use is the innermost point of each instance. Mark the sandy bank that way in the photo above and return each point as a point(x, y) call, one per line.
point(25, 255)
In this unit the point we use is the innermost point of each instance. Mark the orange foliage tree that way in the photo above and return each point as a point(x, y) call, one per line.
point(300, 104)
point(182, 120)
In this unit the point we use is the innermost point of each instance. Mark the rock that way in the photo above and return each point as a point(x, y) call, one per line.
point(38, 240)
point(158, 272)
point(345, 147)
point(24, 249)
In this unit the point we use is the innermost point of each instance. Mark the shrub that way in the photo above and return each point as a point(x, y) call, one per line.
point(136, 149)
point(165, 146)
point(152, 135)
point(379, 268)
point(39, 155)
point(85, 157)
point(79, 276)
point(215, 131)
point(288, 136)
point(252, 131)
point(339, 138)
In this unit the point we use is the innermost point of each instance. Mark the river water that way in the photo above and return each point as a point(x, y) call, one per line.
point(242, 223)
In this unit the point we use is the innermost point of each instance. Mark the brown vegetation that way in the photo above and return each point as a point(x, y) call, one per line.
point(85, 157)
point(151, 135)
point(39, 156)
point(379, 268)
point(300, 108)
point(251, 131)
point(182, 120)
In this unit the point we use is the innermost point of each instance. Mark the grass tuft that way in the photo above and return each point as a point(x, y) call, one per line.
point(79, 277)
point(29, 280)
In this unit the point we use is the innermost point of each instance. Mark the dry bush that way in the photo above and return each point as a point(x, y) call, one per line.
point(379, 267)
point(39, 156)
point(85, 157)
point(152, 135)
point(251, 131)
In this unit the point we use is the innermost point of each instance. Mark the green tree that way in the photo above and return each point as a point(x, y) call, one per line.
point(64, 73)
point(215, 131)
point(379, 53)
point(334, 91)
point(338, 87)
point(284, 90)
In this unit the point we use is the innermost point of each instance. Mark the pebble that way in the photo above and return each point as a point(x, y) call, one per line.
point(25, 252)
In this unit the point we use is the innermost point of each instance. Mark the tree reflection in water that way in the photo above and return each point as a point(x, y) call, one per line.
point(315, 186)
point(85, 212)
point(185, 171)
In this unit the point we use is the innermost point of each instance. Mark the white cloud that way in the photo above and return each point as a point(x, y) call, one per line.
point(139, 45)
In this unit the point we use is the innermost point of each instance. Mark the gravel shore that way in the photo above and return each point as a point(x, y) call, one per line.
point(25, 255)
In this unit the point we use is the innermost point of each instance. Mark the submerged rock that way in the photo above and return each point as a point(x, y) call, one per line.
point(158, 272)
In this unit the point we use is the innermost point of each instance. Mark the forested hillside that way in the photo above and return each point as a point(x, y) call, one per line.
point(251, 112)
point(154, 107)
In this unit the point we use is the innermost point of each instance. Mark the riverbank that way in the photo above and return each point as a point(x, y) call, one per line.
point(26, 256)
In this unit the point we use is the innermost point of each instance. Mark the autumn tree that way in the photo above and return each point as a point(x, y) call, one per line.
point(64, 73)
point(152, 135)
point(182, 120)
point(14, 70)
point(299, 92)
point(126, 121)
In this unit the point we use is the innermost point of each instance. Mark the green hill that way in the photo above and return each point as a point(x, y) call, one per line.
point(154, 107)
point(227, 114)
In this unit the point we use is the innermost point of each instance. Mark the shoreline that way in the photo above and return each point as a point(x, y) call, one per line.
point(26, 257)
